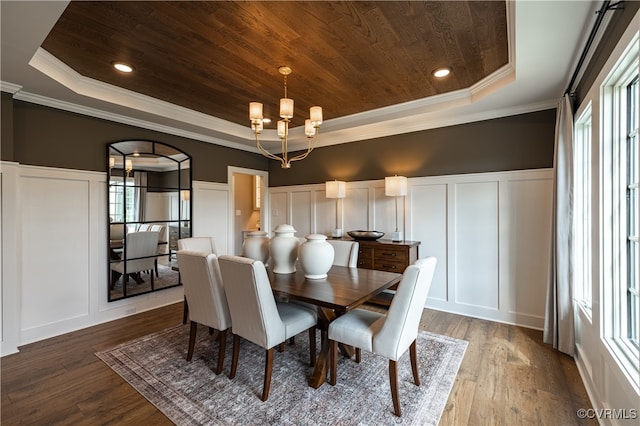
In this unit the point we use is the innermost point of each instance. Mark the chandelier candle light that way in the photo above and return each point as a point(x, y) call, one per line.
point(311, 125)
point(336, 189)
point(396, 186)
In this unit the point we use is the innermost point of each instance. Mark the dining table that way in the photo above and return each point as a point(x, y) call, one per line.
point(342, 290)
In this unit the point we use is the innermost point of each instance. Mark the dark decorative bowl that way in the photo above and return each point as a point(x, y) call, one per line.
point(365, 235)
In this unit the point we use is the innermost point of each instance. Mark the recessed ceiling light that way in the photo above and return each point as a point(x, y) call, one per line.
point(441, 72)
point(266, 120)
point(123, 67)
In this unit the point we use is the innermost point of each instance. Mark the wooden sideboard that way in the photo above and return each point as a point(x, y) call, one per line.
point(386, 255)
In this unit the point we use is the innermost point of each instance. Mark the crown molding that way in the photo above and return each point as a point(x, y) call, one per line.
point(5, 86)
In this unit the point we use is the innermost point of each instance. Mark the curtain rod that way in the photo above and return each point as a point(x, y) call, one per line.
point(606, 6)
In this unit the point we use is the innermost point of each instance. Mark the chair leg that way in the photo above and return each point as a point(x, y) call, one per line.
point(185, 311)
point(414, 363)
point(333, 362)
point(281, 347)
point(292, 340)
point(268, 368)
point(192, 339)
point(358, 355)
point(236, 353)
point(312, 346)
point(393, 379)
point(221, 350)
point(156, 268)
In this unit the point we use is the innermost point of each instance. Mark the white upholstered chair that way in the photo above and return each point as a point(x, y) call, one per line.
point(346, 252)
point(387, 334)
point(202, 244)
point(141, 251)
point(205, 294)
point(256, 315)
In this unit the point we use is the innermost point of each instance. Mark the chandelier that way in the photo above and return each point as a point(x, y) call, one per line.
point(311, 125)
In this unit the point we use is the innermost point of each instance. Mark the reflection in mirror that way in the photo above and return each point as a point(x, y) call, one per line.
point(149, 210)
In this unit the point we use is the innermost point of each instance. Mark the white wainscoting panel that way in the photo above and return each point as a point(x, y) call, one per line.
point(475, 245)
point(429, 220)
point(55, 248)
point(279, 209)
point(301, 209)
point(489, 231)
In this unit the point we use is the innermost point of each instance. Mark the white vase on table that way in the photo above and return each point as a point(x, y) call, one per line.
point(256, 246)
point(316, 257)
point(284, 249)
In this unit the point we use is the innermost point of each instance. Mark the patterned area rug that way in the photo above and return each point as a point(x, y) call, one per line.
point(190, 393)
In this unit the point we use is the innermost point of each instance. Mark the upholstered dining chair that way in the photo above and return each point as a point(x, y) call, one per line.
point(141, 251)
point(346, 252)
point(202, 244)
point(257, 317)
point(387, 334)
point(207, 300)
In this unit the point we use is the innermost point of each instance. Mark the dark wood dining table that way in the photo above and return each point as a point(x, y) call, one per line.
point(344, 289)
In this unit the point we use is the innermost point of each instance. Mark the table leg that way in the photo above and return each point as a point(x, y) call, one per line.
point(319, 376)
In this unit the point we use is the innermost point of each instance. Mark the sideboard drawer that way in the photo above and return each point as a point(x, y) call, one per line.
point(366, 263)
point(389, 265)
point(391, 254)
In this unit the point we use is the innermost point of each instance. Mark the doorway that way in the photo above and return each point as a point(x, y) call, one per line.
point(249, 204)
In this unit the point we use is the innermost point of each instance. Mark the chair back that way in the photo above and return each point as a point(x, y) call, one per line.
point(400, 327)
point(253, 308)
point(116, 231)
point(201, 244)
point(346, 253)
point(140, 246)
point(204, 290)
point(162, 236)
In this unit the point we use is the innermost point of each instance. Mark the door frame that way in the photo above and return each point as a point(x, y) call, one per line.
point(265, 224)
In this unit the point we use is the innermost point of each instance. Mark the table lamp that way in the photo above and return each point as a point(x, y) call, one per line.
point(336, 189)
point(395, 186)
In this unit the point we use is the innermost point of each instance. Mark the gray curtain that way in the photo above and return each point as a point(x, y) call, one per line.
point(559, 322)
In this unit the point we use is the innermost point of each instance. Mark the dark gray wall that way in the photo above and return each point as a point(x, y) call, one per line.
point(510, 143)
point(50, 137)
point(618, 24)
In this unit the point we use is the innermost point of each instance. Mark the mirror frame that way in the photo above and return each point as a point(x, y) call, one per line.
point(147, 156)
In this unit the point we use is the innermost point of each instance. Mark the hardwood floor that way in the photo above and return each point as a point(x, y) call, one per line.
point(508, 376)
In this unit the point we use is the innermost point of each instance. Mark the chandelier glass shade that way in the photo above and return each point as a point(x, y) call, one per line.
point(311, 125)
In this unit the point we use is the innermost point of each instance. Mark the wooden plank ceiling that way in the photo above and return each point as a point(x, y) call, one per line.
point(348, 57)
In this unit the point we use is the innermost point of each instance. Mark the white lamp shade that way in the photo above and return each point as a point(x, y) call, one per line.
point(255, 111)
point(185, 195)
point(282, 128)
point(315, 115)
point(335, 189)
point(112, 162)
point(395, 186)
point(286, 108)
point(128, 165)
point(309, 130)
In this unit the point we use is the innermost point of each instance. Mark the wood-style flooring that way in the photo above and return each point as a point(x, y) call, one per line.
point(508, 376)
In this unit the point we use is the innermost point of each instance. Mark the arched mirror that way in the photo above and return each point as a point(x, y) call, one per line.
point(149, 210)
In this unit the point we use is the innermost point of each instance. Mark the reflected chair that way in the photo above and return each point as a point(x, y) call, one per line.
point(256, 315)
point(162, 237)
point(346, 252)
point(141, 252)
point(205, 293)
point(204, 245)
point(387, 334)
point(117, 233)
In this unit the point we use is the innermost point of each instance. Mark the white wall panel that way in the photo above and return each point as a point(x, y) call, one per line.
point(356, 208)
point(301, 212)
point(428, 222)
point(384, 212)
point(528, 212)
point(55, 249)
point(211, 213)
point(475, 244)
point(325, 213)
point(279, 209)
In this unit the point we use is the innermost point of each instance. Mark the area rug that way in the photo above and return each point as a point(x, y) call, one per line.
point(190, 393)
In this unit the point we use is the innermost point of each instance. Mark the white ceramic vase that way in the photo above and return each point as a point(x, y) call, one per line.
point(284, 249)
point(316, 257)
point(256, 246)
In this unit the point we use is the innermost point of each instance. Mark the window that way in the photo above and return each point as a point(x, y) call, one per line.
point(632, 212)
point(620, 211)
point(117, 200)
point(582, 211)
